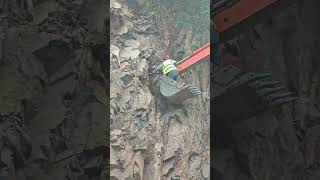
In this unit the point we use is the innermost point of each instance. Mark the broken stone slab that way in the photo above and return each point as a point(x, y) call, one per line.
point(64, 72)
point(113, 158)
point(6, 155)
point(115, 4)
point(141, 118)
point(117, 174)
point(140, 147)
point(55, 55)
point(114, 64)
point(95, 11)
point(205, 169)
point(114, 50)
point(78, 2)
point(141, 67)
point(175, 135)
point(41, 11)
point(28, 38)
point(168, 166)
point(94, 116)
point(93, 165)
point(12, 90)
point(121, 30)
point(138, 161)
point(129, 53)
point(51, 110)
point(65, 155)
point(127, 79)
point(222, 159)
point(134, 44)
point(194, 162)
point(142, 98)
point(117, 145)
point(176, 177)
point(114, 135)
point(99, 91)
point(158, 147)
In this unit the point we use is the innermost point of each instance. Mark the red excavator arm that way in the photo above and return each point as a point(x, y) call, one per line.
point(200, 54)
point(237, 12)
point(231, 17)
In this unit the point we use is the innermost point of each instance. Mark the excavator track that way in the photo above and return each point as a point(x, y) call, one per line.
point(176, 92)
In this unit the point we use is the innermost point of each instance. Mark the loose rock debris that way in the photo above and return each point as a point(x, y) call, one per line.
point(147, 143)
point(53, 112)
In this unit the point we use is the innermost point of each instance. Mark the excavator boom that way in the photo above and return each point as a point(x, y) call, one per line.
point(201, 54)
point(232, 17)
point(175, 91)
point(228, 15)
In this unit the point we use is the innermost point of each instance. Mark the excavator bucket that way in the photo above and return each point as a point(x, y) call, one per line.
point(177, 92)
point(238, 96)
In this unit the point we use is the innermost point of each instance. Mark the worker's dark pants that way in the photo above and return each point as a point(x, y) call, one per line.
point(174, 74)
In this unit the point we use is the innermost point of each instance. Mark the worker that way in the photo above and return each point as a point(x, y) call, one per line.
point(168, 68)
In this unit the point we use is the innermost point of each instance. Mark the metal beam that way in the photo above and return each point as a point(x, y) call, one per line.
point(200, 54)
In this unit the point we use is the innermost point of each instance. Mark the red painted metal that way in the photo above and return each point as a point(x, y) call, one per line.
point(239, 12)
point(200, 54)
point(223, 21)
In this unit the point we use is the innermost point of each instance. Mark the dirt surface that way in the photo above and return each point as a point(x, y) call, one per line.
point(151, 139)
point(53, 110)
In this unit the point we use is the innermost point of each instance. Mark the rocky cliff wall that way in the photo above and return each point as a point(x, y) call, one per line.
point(53, 91)
point(150, 138)
point(281, 143)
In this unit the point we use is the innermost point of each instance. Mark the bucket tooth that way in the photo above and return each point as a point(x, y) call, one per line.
point(262, 84)
point(281, 101)
point(279, 95)
point(196, 93)
point(177, 92)
point(266, 91)
point(261, 76)
point(193, 89)
point(245, 96)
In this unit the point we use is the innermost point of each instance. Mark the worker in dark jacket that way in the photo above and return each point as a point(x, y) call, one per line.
point(168, 68)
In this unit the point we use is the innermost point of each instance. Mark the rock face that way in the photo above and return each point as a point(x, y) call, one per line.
point(151, 139)
point(53, 92)
point(280, 143)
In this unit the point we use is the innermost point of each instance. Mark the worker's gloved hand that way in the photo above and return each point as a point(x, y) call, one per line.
point(155, 71)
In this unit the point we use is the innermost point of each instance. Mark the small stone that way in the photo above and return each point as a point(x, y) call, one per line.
point(127, 79)
point(115, 134)
point(114, 50)
point(116, 5)
point(205, 168)
point(167, 166)
point(132, 43)
point(128, 53)
point(139, 147)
